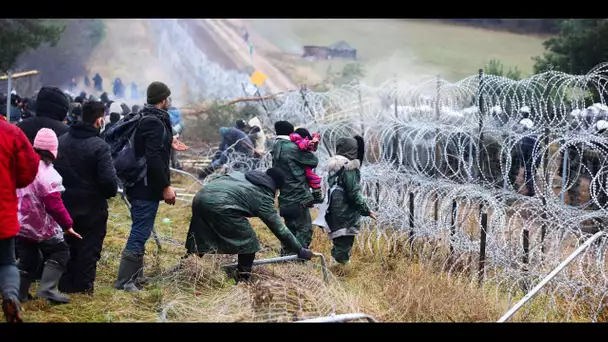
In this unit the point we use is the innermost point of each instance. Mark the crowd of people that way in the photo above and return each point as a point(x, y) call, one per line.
point(60, 166)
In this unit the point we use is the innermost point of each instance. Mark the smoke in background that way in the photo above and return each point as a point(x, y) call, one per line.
point(191, 71)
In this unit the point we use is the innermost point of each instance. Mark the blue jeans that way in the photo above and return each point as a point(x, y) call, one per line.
point(9, 273)
point(143, 214)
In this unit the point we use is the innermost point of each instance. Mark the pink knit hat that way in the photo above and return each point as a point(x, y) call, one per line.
point(46, 140)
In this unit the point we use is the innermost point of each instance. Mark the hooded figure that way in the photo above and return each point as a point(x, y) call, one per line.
point(98, 82)
point(345, 202)
point(52, 107)
point(256, 135)
point(220, 213)
point(105, 98)
point(295, 194)
point(118, 88)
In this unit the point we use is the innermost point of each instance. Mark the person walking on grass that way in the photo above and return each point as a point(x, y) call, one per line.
point(43, 219)
point(89, 177)
point(153, 140)
point(18, 169)
point(295, 197)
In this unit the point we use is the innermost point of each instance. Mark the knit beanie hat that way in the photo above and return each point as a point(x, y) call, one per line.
point(46, 140)
point(283, 128)
point(157, 92)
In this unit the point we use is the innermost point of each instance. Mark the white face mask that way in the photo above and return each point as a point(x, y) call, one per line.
point(102, 124)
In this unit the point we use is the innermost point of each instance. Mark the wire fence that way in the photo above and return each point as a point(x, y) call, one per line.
point(449, 178)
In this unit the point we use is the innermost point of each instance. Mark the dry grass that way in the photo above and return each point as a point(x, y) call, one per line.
point(381, 283)
point(408, 49)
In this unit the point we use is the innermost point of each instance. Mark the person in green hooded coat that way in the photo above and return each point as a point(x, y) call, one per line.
point(295, 197)
point(220, 213)
point(346, 204)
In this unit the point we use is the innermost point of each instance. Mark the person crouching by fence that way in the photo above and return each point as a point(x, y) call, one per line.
point(43, 219)
point(345, 202)
point(220, 213)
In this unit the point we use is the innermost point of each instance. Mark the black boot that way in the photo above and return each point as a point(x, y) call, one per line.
point(25, 282)
point(130, 265)
point(48, 284)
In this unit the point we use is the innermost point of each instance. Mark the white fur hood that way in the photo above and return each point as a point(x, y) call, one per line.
point(335, 163)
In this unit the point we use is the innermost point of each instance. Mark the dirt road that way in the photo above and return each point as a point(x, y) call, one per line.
point(239, 51)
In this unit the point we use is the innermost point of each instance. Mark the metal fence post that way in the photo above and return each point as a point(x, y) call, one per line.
point(526, 256)
point(482, 248)
point(9, 79)
point(411, 218)
point(453, 227)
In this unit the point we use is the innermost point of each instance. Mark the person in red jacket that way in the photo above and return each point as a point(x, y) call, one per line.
point(18, 169)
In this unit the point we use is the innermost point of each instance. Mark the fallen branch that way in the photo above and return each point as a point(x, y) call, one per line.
point(20, 74)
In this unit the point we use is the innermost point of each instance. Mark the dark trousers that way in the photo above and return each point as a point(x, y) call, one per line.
point(245, 265)
point(85, 253)
point(9, 274)
point(32, 254)
point(300, 225)
point(341, 248)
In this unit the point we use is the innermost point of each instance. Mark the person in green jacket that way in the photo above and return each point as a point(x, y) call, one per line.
point(346, 203)
point(295, 197)
point(219, 217)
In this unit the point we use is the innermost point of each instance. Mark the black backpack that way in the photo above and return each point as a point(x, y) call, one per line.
point(130, 169)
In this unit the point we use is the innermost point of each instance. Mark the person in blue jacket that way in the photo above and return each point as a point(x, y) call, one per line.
point(178, 128)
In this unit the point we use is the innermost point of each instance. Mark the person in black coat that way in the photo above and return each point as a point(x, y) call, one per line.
point(86, 166)
point(153, 139)
point(52, 107)
point(97, 80)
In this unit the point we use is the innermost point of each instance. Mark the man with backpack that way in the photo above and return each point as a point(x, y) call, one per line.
point(85, 164)
point(141, 146)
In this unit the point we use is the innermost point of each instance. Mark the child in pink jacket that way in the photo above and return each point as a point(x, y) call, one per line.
point(43, 219)
point(309, 143)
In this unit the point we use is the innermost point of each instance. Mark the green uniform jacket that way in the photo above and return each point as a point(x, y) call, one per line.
point(220, 211)
point(347, 204)
point(288, 157)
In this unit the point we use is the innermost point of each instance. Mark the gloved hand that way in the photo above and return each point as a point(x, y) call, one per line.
point(305, 254)
point(317, 195)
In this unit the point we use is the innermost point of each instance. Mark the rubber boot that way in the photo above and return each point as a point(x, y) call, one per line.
point(25, 282)
point(12, 310)
point(130, 265)
point(243, 274)
point(49, 281)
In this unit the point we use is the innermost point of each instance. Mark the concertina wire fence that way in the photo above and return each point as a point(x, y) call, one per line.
point(445, 175)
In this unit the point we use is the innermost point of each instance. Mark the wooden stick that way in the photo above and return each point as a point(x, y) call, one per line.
point(20, 74)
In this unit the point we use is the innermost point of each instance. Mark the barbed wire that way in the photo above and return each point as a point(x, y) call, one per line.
point(455, 153)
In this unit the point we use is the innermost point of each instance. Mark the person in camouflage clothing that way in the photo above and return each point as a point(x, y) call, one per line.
point(346, 204)
point(220, 213)
point(295, 197)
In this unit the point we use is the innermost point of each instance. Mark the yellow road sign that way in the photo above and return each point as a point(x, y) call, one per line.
point(258, 78)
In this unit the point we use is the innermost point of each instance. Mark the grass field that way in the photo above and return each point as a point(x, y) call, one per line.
point(407, 49)
point(388, 287)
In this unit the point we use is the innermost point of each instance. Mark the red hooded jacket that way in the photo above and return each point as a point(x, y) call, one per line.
point(18, 168)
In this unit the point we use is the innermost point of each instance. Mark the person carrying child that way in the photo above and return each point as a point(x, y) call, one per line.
point(309, 143)
point(44, 220)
